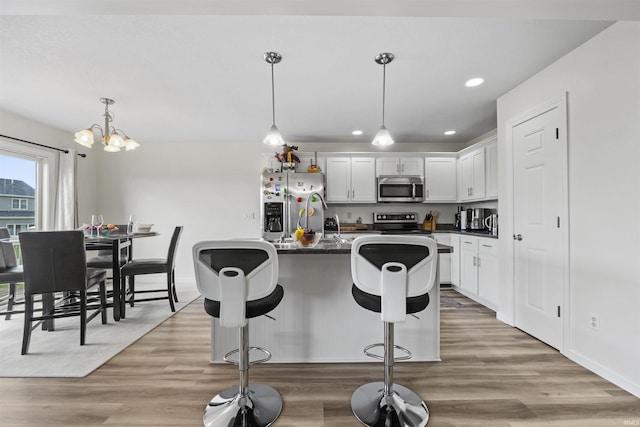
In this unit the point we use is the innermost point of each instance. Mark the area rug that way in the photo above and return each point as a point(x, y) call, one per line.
point(59, 353)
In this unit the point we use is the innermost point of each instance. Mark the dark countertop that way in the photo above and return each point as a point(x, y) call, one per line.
point(441, 228)
point(324, 248)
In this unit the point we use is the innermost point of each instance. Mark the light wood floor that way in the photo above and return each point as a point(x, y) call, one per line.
point(491, 375)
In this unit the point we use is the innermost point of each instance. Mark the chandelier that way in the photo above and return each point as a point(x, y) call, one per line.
point(113, 139)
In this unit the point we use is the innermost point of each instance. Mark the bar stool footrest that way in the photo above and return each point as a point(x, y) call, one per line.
point(235, 362)
point(407, 356)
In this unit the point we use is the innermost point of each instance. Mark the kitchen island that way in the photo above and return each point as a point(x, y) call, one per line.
point(318, 319)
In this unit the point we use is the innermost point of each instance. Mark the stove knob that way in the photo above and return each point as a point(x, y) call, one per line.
point(384, 217)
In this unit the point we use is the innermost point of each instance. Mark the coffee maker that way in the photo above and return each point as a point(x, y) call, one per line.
point(477, 218)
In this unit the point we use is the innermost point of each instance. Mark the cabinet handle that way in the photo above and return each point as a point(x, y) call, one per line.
point(353, 194)
point(488, 246)
point(478, 262)
point(474, 261)
point(468, 243)
point(427, 193)
point(471, 191)
point(402, 168)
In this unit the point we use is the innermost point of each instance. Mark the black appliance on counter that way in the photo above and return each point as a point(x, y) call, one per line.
point(397, 223)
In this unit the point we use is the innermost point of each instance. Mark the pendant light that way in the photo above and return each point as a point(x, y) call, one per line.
point(383, 137)
point(113, 139)
point(273, 136)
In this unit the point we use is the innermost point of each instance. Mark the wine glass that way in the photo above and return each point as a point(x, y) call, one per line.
point(96, 223)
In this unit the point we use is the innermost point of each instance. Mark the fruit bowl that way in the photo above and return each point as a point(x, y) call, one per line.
point(307, 240)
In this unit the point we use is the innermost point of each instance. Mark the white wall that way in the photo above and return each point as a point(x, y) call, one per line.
point(601, 78)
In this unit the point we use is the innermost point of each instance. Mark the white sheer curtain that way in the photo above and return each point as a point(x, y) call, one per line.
point(66, 211)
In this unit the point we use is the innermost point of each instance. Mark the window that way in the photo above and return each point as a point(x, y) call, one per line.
point(27, 186)
point(19, 204)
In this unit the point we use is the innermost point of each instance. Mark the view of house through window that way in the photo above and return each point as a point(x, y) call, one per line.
point(17, 193)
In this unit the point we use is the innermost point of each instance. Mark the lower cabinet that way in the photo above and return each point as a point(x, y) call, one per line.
point(445, 259)
point(479, 270)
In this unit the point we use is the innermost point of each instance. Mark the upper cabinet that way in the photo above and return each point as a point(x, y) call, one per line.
point(351, 179)
point(440, 179)
point(491, 170)
point(472, 180)
point(400, 166)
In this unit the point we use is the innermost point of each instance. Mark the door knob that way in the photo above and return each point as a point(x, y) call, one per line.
point(517, 237)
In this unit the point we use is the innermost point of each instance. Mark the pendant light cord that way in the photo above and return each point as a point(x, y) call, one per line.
point(273, 97)
point(384, 79)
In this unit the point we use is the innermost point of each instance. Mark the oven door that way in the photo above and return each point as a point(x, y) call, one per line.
point(400, 189)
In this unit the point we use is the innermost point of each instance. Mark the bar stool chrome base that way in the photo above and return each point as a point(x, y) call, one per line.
point(401, 408)
point(259, 408)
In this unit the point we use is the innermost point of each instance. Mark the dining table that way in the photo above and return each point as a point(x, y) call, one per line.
point(116, 241)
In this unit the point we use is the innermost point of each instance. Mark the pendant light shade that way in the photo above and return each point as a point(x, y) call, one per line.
point(383, 137)
point(274, 137)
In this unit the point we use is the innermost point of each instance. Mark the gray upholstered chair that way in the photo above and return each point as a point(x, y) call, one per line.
point(238, 280)
point(392, 275)
point(55, 262)
point(142, 266)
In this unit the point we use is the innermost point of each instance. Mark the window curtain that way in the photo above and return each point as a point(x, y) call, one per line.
point(66, 211)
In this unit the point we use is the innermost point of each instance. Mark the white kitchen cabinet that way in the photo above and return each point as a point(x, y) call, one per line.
point(469, 264)
point(440, 179)
point(472, 175)
point(455, 259)
point(488, 271)
point(351, 179)
point(491, 171)
point(445, 259)
point(479, 269)
point(400, 166)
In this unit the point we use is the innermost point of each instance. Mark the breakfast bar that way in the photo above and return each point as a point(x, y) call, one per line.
point(318, 320)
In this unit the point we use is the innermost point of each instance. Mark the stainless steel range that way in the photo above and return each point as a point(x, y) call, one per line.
point(397, 223)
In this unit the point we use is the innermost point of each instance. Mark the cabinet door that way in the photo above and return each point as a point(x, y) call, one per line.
point(455, 259)
point(491, 171)
point(488, 271)
point(440, 179)
point(363, 180)
point(338, 179)
point(387, 166)
point(469, 264)
point(466, 177)
point(412, 166)
point(444, 259)
point(478, 185)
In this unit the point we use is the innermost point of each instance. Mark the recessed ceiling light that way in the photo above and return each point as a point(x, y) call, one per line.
point(450, 132)
point(474, 82)
point(356, 132)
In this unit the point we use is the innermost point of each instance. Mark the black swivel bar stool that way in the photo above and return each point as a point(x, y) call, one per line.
point(239, 281)
point(392, 275)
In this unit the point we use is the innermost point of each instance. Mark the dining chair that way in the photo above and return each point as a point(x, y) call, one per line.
point(142, 266)
point(104, 257)
point(55, 262)
point(10, 273)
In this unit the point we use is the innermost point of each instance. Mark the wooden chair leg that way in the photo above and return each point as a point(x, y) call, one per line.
point(83, 316)
point(10, 300)
point(26, 331)
point(132, 290)
point(103, 301)
point(173, 281)
point(170, 292)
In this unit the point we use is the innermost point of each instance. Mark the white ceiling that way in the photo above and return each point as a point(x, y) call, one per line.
point(202, 77)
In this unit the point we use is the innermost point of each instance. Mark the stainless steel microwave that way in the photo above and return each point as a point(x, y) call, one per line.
point(401, 189)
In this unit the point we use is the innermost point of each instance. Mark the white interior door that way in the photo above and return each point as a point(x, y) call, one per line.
point(539, 167)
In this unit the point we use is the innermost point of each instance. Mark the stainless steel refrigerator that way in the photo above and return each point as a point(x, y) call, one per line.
point(283, 197)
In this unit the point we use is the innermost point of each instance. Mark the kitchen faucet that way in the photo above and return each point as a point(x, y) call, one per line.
point(306, 208)
point(337, 237)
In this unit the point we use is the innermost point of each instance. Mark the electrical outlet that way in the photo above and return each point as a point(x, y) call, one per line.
point(594, 321)
point(249, 216)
